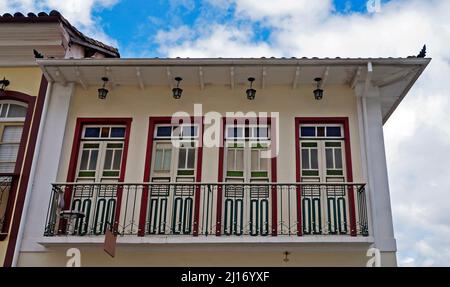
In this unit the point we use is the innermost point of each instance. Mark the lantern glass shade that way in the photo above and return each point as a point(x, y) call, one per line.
point(102, 93)
point(251, 93)
point(177, 92)
point(318, 94)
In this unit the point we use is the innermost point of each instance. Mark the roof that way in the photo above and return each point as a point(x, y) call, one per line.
point(75, 35)
point(393, 76)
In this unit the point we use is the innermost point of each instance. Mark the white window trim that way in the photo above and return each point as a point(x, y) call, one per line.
point(12, 102)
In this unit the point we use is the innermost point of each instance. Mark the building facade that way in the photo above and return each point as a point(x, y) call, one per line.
point(276, 171)
point(23, 89)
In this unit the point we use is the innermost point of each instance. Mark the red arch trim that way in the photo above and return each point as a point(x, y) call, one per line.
point(31, 129)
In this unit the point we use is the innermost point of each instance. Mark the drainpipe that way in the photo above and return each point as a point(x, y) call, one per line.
point(32, 172)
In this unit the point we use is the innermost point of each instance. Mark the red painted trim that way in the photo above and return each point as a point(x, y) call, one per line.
point(80, 123)
point(297, 177)
point(272, 122)
point(198, 178)
point(348, 162)
point(27, 163)
point(274, 143)
point(30, 101)
point(153, 121)
point(147, 167)
point(220, 179)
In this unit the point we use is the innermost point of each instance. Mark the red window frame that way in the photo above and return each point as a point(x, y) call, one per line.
point(30, 101)
point(153, 121)
point(273, 169)
point(81, 122)
point(344, 121)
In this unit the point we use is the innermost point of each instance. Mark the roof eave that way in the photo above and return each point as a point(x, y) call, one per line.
point(233, 61)
point(407, 89)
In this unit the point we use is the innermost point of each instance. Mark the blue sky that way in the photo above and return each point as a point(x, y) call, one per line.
point(417, 136)
point(134, 24)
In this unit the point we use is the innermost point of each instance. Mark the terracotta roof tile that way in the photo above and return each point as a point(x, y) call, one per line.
point(55, 16)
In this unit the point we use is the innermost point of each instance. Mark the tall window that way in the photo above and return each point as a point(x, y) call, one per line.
point(174, 159)
point(322, 153)
point(12, 118)
point(175, 163)
point(247, 208)
point(101, 151)
point(245, 148)
point(324, 208)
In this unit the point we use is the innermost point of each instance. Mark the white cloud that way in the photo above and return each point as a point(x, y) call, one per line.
point(275, 11)
point(211, 42)
point(78, 12)
point(417, 135)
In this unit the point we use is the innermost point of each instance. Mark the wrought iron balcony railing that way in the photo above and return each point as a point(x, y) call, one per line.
point(5, 187)
point(228, 209)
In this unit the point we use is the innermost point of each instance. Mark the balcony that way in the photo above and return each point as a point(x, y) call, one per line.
point(205, 209)
point(6, 181)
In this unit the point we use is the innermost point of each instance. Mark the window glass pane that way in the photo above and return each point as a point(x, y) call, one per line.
point(240, 159)
point(4, 110)
point(177, 131)
point(320, 131)
point(12, 134)
point(16, 111)
point(231, 132)
point(230, 159)
point(93, 161)
point(338, 158)
point(117, 132)
point(182, 158)
point(189, 131)
point(305, 159)
point(167, 159)
point(158, 159)
point(262, 132)
point(329, 158)
point(164, 131)
point(117, 159)
point(314, 160)
point(92, 132)
point(191, 158)
point(247, 132)
point(333, 131)
point(255, 157)
point(8, 152)
point(105, 132)
point(108, 159)
point(84, 160)
point(238, 132)
point(308, 131)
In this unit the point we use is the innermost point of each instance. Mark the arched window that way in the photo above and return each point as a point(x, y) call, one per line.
point(12, 118)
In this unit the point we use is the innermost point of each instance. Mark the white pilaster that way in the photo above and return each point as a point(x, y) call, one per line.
point(378, 185)
point(48, 157)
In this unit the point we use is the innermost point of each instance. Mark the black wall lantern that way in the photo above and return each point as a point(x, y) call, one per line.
point(103, 92)
point(177, 91)
point(251, 93)
point(318, 93)
point(3, 84)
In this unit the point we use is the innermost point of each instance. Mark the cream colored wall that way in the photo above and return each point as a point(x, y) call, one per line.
point(339, 101)
point(25, 80)
point(22, 79)
point(128, 257)
point(139, 104)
